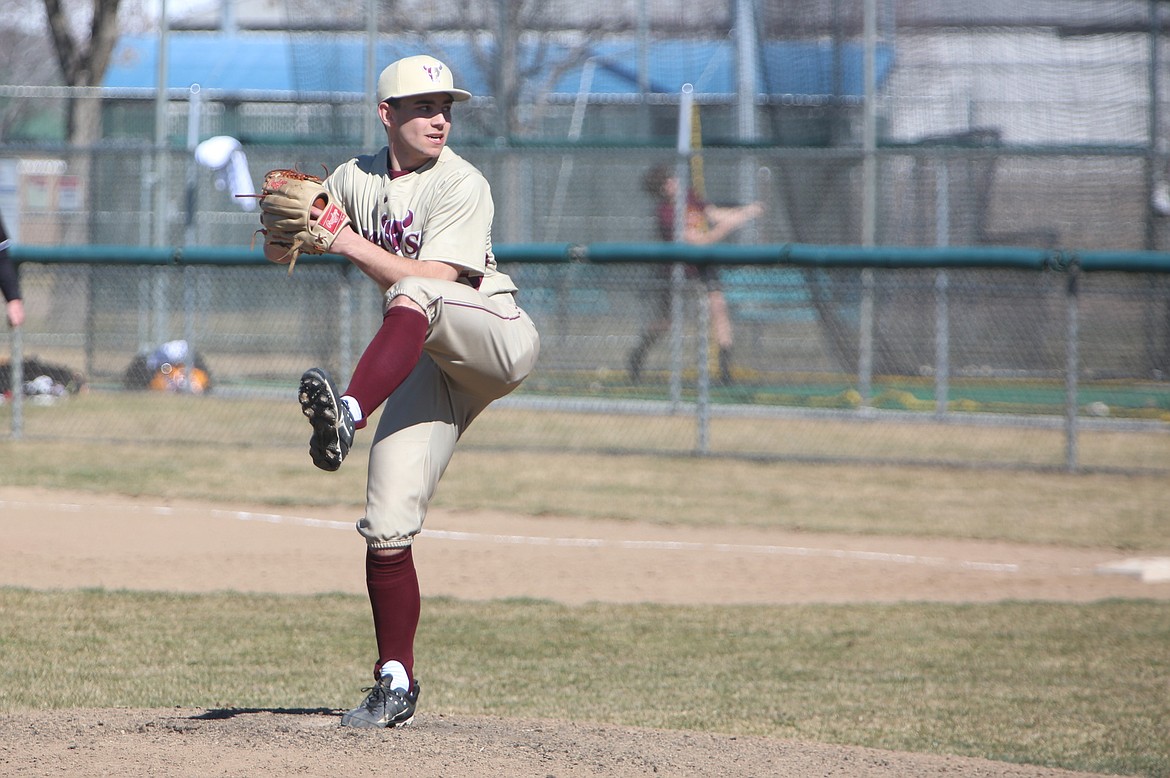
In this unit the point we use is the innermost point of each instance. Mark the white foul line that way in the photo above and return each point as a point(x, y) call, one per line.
point(674, 545)
point(535, 540)
point(276, 518)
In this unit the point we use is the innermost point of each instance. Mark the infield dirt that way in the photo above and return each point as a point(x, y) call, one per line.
point(51, 540)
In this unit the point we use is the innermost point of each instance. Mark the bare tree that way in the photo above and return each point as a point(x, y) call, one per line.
point(19, 66)
point(83, 62)
point(522, 47)
point(83, 39)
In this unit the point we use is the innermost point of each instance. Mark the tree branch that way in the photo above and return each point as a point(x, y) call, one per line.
point(64, 46)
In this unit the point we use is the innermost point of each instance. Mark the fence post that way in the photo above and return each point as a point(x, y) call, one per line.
point(942, 330)
point(1071, 369)
point(682, 189)
point(90, 334)
point(16, 382)
point(187, 279)
point(868, 202)
point(676, 334)
point(703, 401)
point(942, 343)
point(865, 340)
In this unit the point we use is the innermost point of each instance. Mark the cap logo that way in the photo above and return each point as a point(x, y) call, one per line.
point(434, 72)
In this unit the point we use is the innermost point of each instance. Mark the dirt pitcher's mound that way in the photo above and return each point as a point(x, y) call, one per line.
point(192, 742)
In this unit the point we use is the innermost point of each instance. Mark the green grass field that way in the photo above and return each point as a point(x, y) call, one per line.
point(1076, 686)
point(1079, 686)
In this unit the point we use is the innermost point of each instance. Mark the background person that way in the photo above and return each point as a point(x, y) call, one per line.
point(705, 224)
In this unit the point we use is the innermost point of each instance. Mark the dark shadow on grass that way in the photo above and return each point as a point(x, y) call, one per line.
point(218, 714)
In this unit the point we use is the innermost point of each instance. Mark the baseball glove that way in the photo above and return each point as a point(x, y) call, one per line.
point(286, 202)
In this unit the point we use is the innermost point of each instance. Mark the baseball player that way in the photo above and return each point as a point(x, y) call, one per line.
point(10, 283)
point(705, 223)
point(452, 340)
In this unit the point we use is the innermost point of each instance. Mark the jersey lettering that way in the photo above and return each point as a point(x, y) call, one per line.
point(396, 237)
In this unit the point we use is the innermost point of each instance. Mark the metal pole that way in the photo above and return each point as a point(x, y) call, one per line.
point(746, 69)
point(90, 319)
point(703, 402)
point(643, 68)
point(160, 294)
point(682, 174)
point(160, 178)
point(677, 281)
point(865, 340)
point(16, 378)
point(1071, 370)
point(747, 87)
point(158, 183)
point(868, 208)
point(1153, 87)
point(942, 337)
point(194, 116)
point(869, 190)
point(942, 328)
point(189, 275)
point(561, 191)
point(144, 334)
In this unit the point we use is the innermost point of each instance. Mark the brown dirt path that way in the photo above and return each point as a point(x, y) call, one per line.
point(67, 540)
point(62, 540)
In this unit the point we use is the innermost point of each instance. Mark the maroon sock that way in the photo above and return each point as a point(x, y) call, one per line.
point(388, 359)
point(394, 599)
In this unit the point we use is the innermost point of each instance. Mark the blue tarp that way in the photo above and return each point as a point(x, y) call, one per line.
point(273, 62)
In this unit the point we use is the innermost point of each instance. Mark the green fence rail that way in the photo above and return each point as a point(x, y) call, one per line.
point(795, 254)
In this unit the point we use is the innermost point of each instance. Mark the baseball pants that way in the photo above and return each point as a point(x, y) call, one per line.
point(477, 350)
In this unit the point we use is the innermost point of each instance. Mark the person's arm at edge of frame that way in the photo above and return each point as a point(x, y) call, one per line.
point(10, 284)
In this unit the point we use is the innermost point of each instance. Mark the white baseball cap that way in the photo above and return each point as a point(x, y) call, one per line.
point(418, 75)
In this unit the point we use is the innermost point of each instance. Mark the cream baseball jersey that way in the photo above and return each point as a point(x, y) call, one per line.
point(443, 211)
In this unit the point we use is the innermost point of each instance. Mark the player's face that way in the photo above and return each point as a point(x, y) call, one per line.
point(418, 128)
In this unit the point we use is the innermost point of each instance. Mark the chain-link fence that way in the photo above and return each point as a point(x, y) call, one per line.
point(913, 124)
point(950, 365)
